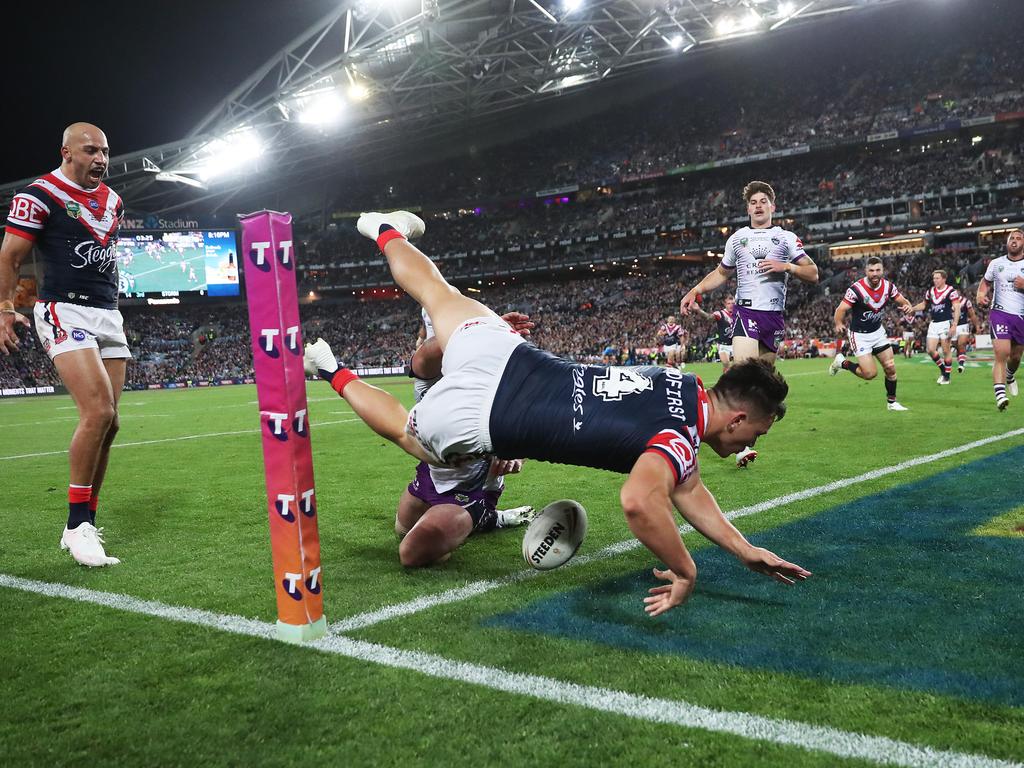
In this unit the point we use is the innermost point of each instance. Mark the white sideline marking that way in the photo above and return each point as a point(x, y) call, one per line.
point(816, 738)
point(75, 418)
point(173, 439)
point(473, 589)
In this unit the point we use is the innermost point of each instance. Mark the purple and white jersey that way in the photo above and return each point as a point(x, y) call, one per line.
point(744, 251)
point(1001, 273)
point(428, 324)
point(420, 386)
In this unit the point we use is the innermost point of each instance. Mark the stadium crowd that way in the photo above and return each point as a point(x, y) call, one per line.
point(580, 319)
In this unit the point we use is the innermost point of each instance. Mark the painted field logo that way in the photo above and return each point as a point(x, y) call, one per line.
point(554, 533)
point(912, 590)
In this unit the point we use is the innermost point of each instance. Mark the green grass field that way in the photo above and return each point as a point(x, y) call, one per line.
point(904, 648)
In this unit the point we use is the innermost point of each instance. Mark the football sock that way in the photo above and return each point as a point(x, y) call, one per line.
point(961, 360)
point(1010, 375)
point(890, 390)
point(1000, 390)
point(78, 505)
point(852, 367)
point(937, 359)
point(338, 379)
point(386, 234)
point(94, 502)
point(947, 366)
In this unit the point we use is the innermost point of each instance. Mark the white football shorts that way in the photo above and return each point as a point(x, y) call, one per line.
point(64, 327)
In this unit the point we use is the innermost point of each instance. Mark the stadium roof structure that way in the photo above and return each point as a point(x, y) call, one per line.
point(375, 75)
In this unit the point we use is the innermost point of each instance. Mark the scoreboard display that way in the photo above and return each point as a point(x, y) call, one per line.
point(203, 262)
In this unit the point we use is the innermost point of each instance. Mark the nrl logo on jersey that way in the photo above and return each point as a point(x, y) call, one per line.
point(74, 209)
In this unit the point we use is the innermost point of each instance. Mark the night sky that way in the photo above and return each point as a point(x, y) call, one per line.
point(145, 72)
point(148, 72)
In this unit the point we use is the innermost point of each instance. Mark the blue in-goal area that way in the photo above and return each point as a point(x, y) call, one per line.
point(905, 594)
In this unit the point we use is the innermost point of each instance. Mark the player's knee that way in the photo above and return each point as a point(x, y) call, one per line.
point(868, 373)
point(424, 545)
point(100, 415)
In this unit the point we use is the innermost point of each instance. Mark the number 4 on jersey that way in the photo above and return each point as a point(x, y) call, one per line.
point(618, 381)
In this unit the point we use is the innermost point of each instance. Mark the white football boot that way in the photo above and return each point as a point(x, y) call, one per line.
point(409, 224)
point(836, 365)
point(942, 380)
point(894, 406)
point(745, 456)
point(85, 543)
point(510, 518)
point(319, 359)
point(1012, 388)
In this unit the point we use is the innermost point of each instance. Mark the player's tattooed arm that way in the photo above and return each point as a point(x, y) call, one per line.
point(12, 253)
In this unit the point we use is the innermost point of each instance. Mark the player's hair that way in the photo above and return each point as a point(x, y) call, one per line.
point(874, 260)
point(756, 384)
point(940, 272)
point(758, 186)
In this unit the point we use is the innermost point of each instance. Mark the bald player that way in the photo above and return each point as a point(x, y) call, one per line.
point(72, 218)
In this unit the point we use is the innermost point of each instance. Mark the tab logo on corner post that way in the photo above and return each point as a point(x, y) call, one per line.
point(291, 339)
point(268, 342)
point(258, 255)
point(284, 506)
point(275, 425)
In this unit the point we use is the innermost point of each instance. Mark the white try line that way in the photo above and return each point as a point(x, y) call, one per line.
point(173, 439)
point(476, 588)
point(815, 738)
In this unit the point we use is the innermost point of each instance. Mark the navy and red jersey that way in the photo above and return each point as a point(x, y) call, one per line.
point(868, 303)
point(597, 416)
point(670, 333)
point(940, 303)
point(724, 320)
point(965, 307)
point(75, 230)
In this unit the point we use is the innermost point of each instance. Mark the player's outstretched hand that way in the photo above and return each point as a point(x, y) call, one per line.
point(689, 302)
point(520, 323)
point(9, 322)
point(668, 596)
point(501, 467)
point(761, 560)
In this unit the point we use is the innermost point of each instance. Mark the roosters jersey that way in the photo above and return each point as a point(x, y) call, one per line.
point(868, 304)
point(670, 334)
point(597, 416)
point(75, 230)
point(724, 321)
point(940, 303)
point(1001, 273)
point(744, 251)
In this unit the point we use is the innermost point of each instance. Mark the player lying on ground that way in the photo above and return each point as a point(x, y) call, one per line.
point(867, 299)
point(501, 396)
point(443, 506)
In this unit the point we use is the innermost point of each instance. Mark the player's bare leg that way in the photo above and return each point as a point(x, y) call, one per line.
point(1002, 349)
point(87, 381)
point(745, 348)
point(725, 359)
point(1012, 364)
point(435, 535)
point(887, 358)
point(116, 369)
point(380, 410)
point(417, 275)
point(961, 352)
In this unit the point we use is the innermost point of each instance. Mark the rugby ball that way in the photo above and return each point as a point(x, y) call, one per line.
point(555, 534)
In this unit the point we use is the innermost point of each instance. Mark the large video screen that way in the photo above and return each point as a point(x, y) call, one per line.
point(171, 263)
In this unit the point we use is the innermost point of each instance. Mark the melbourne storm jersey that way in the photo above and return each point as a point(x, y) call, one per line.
point(745, 249)
point(75, 230)
point(868, 303)
point(724, 321)
point(940, 303)
point(1001, 273)
point(597, 416)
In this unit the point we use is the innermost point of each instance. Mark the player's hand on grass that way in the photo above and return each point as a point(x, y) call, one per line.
point(9, 322)
point(668, 596)
point(762, 561)
point(520, 323)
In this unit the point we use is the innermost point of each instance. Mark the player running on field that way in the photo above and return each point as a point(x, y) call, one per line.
point(763, 257)
point(670, 333)
point(963, 331)
point(1006, 320)
point(501, 396)
point(724, 319)
point(943, 304)
point(866, 300)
